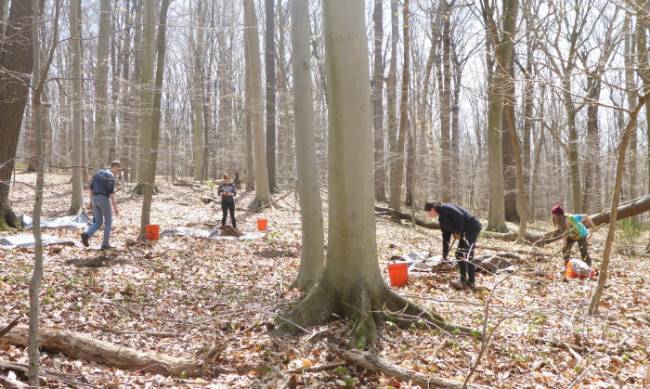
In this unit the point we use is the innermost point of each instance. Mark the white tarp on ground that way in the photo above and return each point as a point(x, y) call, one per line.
point(27, 240)
point(207, 234)
point(76, 222)
point(420, 261)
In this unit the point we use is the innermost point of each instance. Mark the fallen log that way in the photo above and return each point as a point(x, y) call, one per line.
point(371, 362)
point(628, 209)
point(80, 346)
point(44, 372)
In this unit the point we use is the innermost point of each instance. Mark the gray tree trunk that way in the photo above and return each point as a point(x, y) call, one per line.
point(254, 104)
point(378, 100)
point(271, 84)
point(100, 154)
point(76, 203)
point(312, 257)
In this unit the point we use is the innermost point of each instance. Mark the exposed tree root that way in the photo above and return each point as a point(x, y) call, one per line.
point(365, 307)
point(370, 361)
point(8, 220)
point(138, 190)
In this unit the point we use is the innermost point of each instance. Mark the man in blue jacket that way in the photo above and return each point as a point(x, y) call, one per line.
point(102, 188)
point(456, 220)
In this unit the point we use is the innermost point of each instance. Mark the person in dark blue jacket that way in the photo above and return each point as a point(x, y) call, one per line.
point(456, 220)
point(102, 188)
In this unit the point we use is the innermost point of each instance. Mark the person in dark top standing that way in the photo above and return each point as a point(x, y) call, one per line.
point(102, 188)
point(456, 220)
point(227, 191)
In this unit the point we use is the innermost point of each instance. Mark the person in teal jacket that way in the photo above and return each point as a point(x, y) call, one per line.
point(575, 229)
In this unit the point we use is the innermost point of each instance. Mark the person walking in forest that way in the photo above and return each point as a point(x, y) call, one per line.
point(456, 220)
point(574, 229)
point(227, 191)
point(102, 189)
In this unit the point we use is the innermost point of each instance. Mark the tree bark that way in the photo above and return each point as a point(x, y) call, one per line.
point(254, 105)
point(37, 274)
point(80, 346)
point(100, 154)
point(497, 88)
point(397, 156)
point(444, 80)
point(509, 132)
point(269, 66)
point(616, 192)
point(378, 101)
point(391, 91)
point(312, 257)
point(350, 285)
point(17, 58)
point(197, 93)
point(153, 100)
point(76, 203)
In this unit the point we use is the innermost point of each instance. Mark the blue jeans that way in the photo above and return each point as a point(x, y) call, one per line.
point(102, 214)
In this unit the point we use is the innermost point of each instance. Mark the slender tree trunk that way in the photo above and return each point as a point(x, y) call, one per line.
point(591, 164)
point(37, 275)
point(630, 86)
point(197, 93)
point(76, 203)
point(457, 67)
point(497, 88)
point(100, 153)
point(444, 107)
point(312, 257)
point(269, 65)
point(616, 194)
point(391, 86)
point(397, 157)
point(642, 26)
point(378, 101)
point(152, 102)
point(17, 58)
point(254, 103)
point(509, 164)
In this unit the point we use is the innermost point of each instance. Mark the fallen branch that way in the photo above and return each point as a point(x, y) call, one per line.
point(317, 368)
point(371, 362)
point(80, 346)
point(9, 326)
point(44, 373)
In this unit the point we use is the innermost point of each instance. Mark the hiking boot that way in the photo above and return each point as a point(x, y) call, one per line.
point(107, 248)
point(84, 239)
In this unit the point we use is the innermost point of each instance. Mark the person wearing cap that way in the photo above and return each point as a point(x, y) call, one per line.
point(227, 191)
point(574, 228)
point(456, 220)
point(102, 189)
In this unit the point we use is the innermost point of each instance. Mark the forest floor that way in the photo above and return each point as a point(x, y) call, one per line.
point(182, 295)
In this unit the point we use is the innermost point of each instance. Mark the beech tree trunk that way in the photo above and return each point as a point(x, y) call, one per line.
point(378, 100)
point(312, 257)
point(350, 285)
point(397, 157)
point(271, 84)
point(444, 97)
point(16, 56)
point(100, 155)
point(76, 203)
point(198, 123)
point(254, 105)
point(391, 91)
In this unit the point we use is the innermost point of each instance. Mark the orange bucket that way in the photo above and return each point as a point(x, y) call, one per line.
point(262, 224)
point(152, 232)
point(398, 273)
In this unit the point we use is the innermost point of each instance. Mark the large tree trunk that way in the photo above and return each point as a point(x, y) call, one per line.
point(572, 155)
point(76, 203)
point(497, 89)
point(150, 157)
point(254, 105)
point(591, 164)
point(616, 192)
point(269, 66)
point(100, 154)
point(378, 100)
point(312, 258)
point(16, 57)
point(629, 190)
point(643, 24)
point(397, 156)
point(351, 285)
